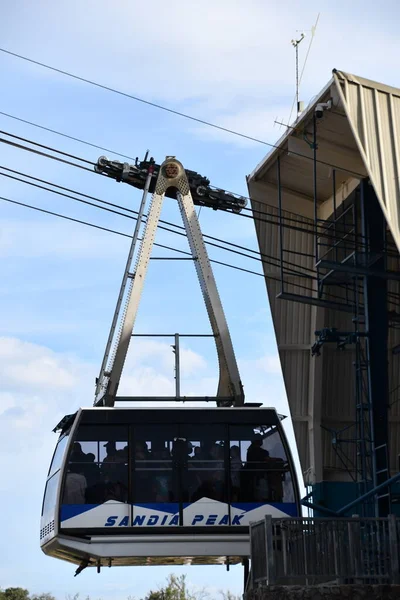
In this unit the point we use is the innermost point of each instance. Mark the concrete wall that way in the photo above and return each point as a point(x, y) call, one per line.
point(334, 592)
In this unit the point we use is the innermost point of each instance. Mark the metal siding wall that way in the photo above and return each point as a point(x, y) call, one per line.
point(303, 445)
point(296, 366)
point(334, 466)
point(338, 385)
point(338, 404)
point(292, 321)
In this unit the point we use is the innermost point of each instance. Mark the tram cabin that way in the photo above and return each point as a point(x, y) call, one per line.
point(140, 486)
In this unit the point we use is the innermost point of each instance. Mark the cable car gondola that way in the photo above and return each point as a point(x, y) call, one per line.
point(140, 486)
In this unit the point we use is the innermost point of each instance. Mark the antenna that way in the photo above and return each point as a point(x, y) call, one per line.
point(296, 43)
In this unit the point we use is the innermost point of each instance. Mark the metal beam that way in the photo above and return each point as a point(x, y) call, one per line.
point(376, 321)
point(314, 404)
point(316, 302)
point(359, 270)
point(174, 399)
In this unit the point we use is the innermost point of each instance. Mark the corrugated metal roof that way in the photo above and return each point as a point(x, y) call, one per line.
point(373, 112)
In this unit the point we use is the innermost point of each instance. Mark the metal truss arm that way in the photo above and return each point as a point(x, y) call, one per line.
point(229, 378)
point(172, 174)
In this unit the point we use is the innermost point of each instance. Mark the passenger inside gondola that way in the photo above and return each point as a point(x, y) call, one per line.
point(236, 467)
point(77, 454)
point(114, 474)
point(91, 470)
point(257, 465)
point(75, 485)
point(168, 469)
point(162, 481)
point(208, 476)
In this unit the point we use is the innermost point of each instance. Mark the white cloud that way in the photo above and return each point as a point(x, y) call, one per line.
point(141, 350)
point(26, 364)
point(40, 385)
point(225, 61)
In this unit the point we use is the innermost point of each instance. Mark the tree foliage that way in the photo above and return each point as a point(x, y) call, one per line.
point(176, 589)
point(18, 593)
point(14, 593)
point(229, 596)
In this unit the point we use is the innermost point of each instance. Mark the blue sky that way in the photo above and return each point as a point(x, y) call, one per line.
point(225, 61)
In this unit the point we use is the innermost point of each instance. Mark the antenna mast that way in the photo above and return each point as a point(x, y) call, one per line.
point(296, 44)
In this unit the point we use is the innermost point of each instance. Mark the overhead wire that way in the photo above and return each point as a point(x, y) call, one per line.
point(170, 110)
point(111, 204)
point(79, 221)
point(33, 150)
point(155, 105)
point(286, 271)
point(90, 170)
point(91, 144)
point(22, 139)
point(136, 98)
point(107, 229)
point(86, 161)
point(263, 219)
point(118, 212)
point(65, 135)
point(161, 107)
point(290, 269)
point(120, 233)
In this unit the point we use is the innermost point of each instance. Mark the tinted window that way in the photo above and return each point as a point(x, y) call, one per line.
point(204, 471)
point(50, 492)
point(98, 466)
point(259, 469)
point(155, 455)
point(58, 455)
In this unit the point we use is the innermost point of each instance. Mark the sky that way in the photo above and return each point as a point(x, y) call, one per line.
point(224, 61)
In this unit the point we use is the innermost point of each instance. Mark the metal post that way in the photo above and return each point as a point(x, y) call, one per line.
point(334, 214)
point(177, 368)
point(278, 163)
point(125, 279)
point(270, 550)
point(336, 552)
point(353, 529)
point(246, 571)
point(252, 576)
point(296, 43)
point(394, 550)
point(376, 323)
point(315, 185)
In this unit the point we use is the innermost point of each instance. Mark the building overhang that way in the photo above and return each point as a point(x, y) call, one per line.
point(356, 137)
